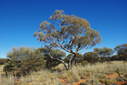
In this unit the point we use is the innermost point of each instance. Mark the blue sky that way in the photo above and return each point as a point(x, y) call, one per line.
point(19, 19)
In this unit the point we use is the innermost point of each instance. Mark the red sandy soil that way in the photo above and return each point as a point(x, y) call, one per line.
point(121, 83)
point(108, 76)
point(112, 75)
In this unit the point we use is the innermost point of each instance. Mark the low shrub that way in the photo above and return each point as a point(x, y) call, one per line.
point(22, 61)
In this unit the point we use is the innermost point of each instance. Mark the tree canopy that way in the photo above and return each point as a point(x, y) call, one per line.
point(104, 52)
point(121, 49)
point(68, 32)
point(91, 57)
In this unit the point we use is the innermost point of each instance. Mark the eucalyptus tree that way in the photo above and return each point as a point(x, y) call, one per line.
point(67, 32)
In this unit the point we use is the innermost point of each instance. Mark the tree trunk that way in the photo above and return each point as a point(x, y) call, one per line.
point(72, 60)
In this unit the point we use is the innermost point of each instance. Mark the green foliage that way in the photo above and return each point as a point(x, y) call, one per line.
point(73, 33)
point(78, 59)
point(91, 57)
point(119, 58)
point(22, 61)
point(51, 56)
point(121, 53)
point(104, 52)
point(121, 49)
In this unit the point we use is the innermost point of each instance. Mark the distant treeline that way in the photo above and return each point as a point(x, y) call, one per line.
point(22, 61)
point(3, 61)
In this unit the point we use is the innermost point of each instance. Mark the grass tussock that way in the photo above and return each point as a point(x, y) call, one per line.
point(97, 74)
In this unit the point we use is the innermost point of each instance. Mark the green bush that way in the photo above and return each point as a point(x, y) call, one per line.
point(51, 57)
point(91, 57)
point(22, 61)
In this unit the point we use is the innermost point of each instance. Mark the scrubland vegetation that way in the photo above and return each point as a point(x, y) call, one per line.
point(113, 73)
point(50, 64)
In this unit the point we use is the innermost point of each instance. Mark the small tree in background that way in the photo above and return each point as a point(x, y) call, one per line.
point(91, 57)
point(121, 51)
point(104, 53)
point(67, 32)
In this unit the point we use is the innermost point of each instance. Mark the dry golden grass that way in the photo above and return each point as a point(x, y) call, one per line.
point(100, 73)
